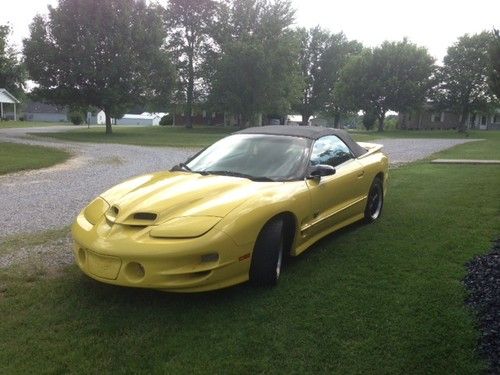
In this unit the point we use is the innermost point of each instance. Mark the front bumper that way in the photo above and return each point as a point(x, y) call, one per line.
point(128, 256)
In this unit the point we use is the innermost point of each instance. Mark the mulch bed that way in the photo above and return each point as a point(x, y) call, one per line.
point(483, 284)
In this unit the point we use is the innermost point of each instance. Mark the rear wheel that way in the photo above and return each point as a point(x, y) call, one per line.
point(267, 257)
point(375, 201)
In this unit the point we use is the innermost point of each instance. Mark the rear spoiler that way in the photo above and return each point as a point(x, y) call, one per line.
point(371, 148)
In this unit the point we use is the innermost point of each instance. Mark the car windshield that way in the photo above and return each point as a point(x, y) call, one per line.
point(254, 156)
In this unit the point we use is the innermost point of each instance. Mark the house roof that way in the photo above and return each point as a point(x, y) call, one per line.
point(7, 97)
point(39, 107)
point(311, 132)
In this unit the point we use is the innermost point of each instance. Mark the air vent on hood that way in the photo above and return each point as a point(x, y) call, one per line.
point(149, 216)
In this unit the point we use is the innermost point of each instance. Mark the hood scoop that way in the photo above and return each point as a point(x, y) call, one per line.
point(137, 219)
point(145, 216)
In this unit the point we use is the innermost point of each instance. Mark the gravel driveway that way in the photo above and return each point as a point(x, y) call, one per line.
point(51, 198)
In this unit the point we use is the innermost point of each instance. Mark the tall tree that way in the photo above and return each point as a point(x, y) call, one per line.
point(189, 22)
point(12, 71)
point(255, 66)
point(322, 56)
point(463, 78)
point(494, 52)
point(313, 44)
point(395, 76)
point(335, 57)
point(102, 53)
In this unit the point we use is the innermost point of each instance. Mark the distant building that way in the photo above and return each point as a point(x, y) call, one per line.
point(7, 98)
point(201, 117)
point(429, 118)
point(294, 120)
point(485, 121)
point(96, 118)
point(43, 112)
point(144, 119)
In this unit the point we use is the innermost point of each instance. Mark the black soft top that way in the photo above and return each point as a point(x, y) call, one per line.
point(311, 132)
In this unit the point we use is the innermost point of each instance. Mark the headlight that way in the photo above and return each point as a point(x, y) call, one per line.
point(185, 227)
point(94, 211)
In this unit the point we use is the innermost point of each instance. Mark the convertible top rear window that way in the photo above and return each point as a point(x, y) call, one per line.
point(311, 132)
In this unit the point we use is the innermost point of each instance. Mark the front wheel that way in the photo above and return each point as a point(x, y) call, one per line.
point(375, 201)
point(267, 256)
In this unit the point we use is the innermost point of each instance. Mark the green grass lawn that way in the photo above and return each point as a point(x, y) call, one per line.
point(453, 134)
point(487, 149)
point(16, 157)
point(28, 124)
point(202, 136)
point(147, 136)
point(385, 298)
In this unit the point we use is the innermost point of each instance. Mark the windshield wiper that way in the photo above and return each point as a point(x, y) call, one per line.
point(180, 167)
point(237, 174)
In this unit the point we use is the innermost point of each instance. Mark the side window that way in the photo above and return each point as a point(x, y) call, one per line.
point(330, 150)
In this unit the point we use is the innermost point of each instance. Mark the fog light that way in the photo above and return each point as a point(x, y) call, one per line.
point(81, 256)
point(135, 271)
point(212, 257)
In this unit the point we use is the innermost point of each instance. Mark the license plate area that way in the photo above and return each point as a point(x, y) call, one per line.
point(104, 266)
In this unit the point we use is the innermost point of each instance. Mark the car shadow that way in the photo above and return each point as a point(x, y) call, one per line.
point(324, 244)
point(92, 291)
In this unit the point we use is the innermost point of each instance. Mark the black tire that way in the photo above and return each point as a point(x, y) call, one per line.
point(267, 256)
point(374, 201)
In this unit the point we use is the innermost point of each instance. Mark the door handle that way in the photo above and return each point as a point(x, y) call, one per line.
point(361, 174)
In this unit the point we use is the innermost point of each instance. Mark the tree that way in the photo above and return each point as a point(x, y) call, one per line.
point(189, 22)
point(395, 76)
point(255, 60)
point(463, 78)
point(494, 53)
point(242, 80)
point(102, 53)
point(12, 71)
point(322, 55)
point(313, 44)
point(333, 60)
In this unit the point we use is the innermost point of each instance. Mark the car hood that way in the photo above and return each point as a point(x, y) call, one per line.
point(176, 194)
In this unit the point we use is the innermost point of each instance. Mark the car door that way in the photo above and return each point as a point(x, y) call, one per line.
point(337, 198)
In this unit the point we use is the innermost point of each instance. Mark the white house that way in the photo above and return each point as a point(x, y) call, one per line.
point(8, 98)
point(145, 119)
point(98, 118)
point(293, 120)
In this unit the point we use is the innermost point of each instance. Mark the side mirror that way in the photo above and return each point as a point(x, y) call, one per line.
point(320, 170)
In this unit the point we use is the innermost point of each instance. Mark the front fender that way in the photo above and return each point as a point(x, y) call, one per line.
point(244, 224)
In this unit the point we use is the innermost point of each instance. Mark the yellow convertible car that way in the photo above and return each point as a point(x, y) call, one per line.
point(232, 211)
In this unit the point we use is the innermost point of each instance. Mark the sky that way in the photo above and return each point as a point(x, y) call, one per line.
point(435, 24)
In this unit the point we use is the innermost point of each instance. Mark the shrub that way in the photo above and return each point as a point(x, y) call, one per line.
point(369, 120)
point(166, 120)
point(391, 122)
point(76, 118)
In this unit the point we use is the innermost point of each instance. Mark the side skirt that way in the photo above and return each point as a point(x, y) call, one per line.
point(309, 242)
